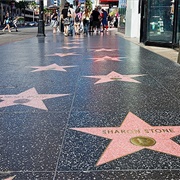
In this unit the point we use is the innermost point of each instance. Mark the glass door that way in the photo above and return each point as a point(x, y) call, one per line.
point(160, 21)
point(178, 24)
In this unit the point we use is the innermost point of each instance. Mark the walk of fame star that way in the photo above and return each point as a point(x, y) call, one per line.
point(72, 43)
point(10, 178)
point(133, 135)
point(114, 76)
point(100, 50)
point(27, 98)
point(67, 47)
point(53, 67)
point(78, 39)
point(107, 58)
point(63, 54)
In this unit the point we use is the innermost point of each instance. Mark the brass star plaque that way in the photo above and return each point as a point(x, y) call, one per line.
point(143, 141)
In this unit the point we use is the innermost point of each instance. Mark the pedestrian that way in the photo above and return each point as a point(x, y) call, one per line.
point(100, 18)
point(65, 18)
point(15, 23)
point(71, 14)
point(54, 21)
point(7, 22)
point(86, 21)
point(58, 19)
point(104, 20)
point(77, 19)
point(96, 19)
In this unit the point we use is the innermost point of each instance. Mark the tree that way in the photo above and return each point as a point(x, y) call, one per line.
point(46, 14)
point(22, 5)
point(88, 5)
point(33, 6)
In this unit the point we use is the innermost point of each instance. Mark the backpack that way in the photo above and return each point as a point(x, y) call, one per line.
point(77, 10)
point(77, 18)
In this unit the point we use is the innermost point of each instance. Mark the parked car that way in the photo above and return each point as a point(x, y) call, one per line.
point(33, 23)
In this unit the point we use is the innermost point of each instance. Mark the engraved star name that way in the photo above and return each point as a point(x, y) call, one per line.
point(114, 76)
point(134, 135)
point(63, 54)
point(107, 58)
point(53, 67)
point(28, 98)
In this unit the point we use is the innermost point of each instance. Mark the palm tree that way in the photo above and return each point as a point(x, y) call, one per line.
point(33, 6)
point(46, 14)
point(88, 5)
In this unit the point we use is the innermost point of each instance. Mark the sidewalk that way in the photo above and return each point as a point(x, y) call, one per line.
point(23, 33)
point(169, 53)
point(93, 107)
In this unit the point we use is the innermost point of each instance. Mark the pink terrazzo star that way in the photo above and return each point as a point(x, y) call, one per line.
point(53, 67)
point(28, 98)
point(63, 54)
point(108, 58)
point(10, 178)
point(73, 43)
point(114, 76)
point(99, 50)
point(67, 47)
point(133, 127)
point(77, 39)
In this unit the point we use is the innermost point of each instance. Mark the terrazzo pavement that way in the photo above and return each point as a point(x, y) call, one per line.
point(87, 107)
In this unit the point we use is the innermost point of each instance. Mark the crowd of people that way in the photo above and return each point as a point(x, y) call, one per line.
point(72, 21)
point(75, 21)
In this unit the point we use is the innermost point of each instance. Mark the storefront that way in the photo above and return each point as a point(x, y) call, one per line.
point(160, 22)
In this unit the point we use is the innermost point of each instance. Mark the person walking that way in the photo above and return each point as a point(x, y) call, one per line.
point(7, 22)
point(54, 22)
point(71, 14)
point(96, 22)
point(15, 23)
point(65, 18)
point(86, 21)
point(104, 20)
point(77, 19)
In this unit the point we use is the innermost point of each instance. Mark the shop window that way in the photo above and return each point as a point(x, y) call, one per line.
point(160, 20)
point(178, 23)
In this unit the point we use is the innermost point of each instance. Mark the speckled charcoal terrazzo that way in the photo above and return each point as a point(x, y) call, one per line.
point(88, 107)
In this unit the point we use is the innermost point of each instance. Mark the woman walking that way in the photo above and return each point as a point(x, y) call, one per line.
point(54, 22)
point(7, 23)
point(65, 18)
point(86, 21)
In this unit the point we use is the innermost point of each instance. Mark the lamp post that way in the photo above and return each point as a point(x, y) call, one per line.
point(41, 21)
point(178, 61)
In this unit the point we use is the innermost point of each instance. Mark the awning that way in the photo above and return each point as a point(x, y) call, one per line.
point(108, 1)
point(53, 7)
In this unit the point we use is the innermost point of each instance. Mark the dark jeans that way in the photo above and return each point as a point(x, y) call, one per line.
point(86, 26)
